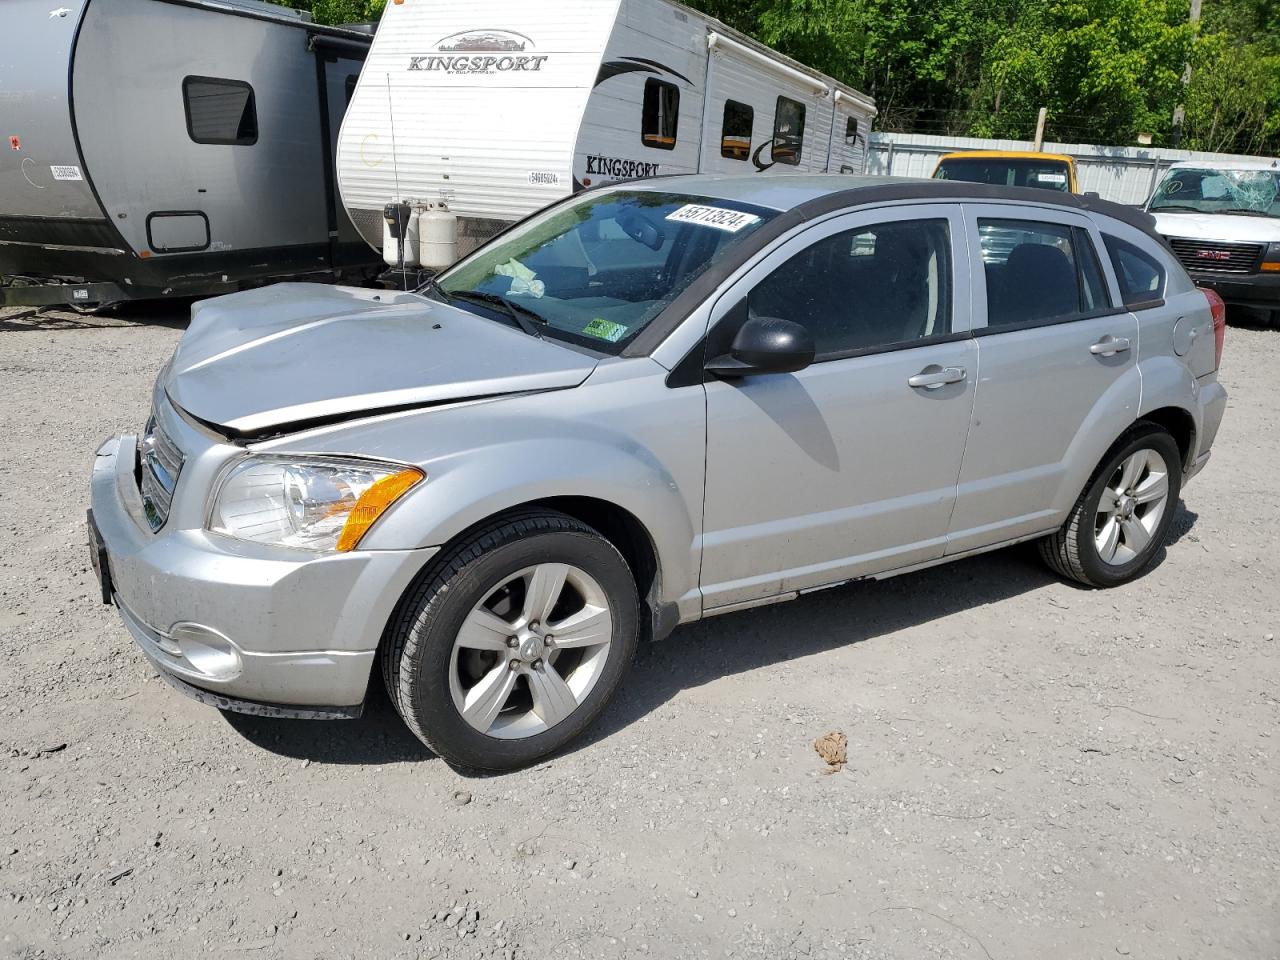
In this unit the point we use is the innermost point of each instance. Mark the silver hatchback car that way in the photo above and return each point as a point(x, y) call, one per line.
point(647, 404)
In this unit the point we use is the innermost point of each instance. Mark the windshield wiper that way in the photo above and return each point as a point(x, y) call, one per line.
point(522, 316)
point(1175, 206)
point(1248, 211)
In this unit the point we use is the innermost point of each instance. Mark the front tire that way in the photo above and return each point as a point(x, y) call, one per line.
point(1122, 517)
point(512, 644)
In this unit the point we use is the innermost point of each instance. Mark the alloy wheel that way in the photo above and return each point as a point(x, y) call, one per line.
point(1132, 504)
point(531, 651)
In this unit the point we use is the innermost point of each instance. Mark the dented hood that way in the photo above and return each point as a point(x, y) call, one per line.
point(297, 353)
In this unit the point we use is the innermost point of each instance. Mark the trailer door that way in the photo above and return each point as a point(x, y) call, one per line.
point(338, 68)
point(849, 130)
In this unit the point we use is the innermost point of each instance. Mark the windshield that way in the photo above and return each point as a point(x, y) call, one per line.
point(1013, 172)
point(597, 270)
point(1206, 190)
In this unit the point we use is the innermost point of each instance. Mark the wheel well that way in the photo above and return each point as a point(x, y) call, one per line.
point(621, 528)
point(1181, 427)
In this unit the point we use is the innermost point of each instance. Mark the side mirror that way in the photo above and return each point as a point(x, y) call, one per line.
point(766, 345)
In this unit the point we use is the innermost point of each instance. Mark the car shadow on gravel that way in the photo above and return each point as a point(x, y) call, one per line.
point(843, 616)
point(709, 650)
point(1252, 319)
point(378, 737)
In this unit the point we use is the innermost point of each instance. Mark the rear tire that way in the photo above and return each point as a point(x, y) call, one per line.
point(513, 642)
point(1120, 520)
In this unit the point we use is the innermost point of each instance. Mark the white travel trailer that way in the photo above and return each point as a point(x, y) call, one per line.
point(499, 107)
point(153, 148)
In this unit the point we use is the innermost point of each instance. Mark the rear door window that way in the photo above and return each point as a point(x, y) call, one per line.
point(1140, 275)
point(1039, 272)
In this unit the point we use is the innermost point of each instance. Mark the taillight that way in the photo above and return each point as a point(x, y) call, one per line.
point(1219, 311)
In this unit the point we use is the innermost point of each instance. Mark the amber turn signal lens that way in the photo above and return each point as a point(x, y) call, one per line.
point(373, 503)
point(1271, 267)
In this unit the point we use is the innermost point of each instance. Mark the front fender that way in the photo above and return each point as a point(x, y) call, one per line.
point(622, 437)
point(461, 491)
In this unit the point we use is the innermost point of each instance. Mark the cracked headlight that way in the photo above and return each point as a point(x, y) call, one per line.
point(319, 504)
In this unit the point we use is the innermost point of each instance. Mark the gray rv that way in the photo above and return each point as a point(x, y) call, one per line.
point(153, 148)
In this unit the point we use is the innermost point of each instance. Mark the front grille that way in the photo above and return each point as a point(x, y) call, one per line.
point(1216, 256)
point(160, 462)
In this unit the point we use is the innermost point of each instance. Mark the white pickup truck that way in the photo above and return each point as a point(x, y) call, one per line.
point(1222, 220)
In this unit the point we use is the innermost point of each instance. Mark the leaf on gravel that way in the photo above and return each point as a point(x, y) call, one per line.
point(833, 748)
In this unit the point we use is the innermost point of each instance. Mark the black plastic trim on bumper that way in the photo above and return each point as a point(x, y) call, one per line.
point(255, 708)
point(1246, 290)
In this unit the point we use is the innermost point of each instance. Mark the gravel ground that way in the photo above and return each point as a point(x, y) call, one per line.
point(1034, 770)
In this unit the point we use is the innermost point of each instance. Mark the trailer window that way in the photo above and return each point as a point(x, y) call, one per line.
point(788, 131)
point(661, 114)
point(735, 133)
point(220, 111)
point(851, 131)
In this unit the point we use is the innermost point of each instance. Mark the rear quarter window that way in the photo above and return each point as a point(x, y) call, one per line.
point(1141, 276)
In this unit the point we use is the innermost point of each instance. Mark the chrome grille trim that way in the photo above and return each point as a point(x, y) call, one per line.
point(160, 463)
point(1217, 256)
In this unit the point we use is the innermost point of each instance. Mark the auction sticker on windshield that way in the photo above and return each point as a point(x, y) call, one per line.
point(718, 217)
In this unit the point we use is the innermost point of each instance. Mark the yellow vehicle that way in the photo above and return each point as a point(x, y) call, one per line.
point(1010, 168)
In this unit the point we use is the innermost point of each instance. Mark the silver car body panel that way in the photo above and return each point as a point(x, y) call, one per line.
point(304, 626)
point(1046, 408)
point(292, 353)
point(750, 491)
point(596, 442)
point(791, 502)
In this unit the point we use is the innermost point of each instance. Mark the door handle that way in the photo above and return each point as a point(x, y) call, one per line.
point(1109, 346)
point(934, 376)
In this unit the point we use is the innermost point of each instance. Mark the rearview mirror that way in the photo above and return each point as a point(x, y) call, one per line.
point(641, 229)
point(766, 345)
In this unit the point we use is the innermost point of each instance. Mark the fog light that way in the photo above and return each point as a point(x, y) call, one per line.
point(207, 650)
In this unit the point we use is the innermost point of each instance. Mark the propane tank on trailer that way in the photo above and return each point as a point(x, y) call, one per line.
point(437, 236)
point(400, 234)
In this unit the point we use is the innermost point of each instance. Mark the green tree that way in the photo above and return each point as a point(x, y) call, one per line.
point(339, 11)
point(1233, 99)
point(1105, 69)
